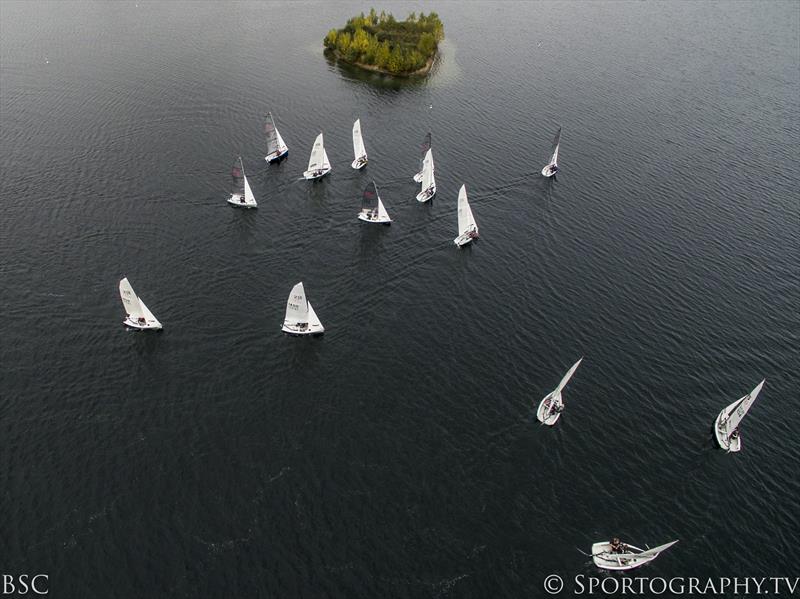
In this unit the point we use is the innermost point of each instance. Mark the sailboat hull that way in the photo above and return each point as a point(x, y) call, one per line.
point(310, 175)
point(276, 157)
point(544, 414)
point(603, 558)
point(298, 331)
point(724, 441)
point(377, 220)
point(148, 326)
point(549, 170)
point(359, 163)
point(236, 200)
point(424, 196)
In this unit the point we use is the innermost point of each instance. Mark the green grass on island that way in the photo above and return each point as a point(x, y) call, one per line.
point(379, 42)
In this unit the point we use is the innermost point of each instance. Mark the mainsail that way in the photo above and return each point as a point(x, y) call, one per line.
point(556, 142)
point(466, 221)
point(369, 199)
point(297, 306)
point(428, 179)
point(237, 174)
point(273, 146)
point(358, 142)
point(130, 300)
point(737, 410)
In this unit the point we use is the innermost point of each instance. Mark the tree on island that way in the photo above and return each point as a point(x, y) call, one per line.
point(380, 41)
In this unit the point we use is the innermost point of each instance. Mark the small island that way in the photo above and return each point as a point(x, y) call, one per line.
point(379, 42)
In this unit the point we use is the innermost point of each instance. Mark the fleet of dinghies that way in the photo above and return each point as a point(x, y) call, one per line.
point(301, 319)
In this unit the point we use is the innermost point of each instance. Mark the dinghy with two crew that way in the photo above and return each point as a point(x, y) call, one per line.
point(726, 426)
point(552, 405)
point(467, 227)
point(613, 555)
point(426, 145)
point(359, 150)
point(276, 148)
point(241, 195)
point(428, 180)
point(138, 316)
point(551, 168)
point(318, 163)
point(372, 209)
point(300, 316)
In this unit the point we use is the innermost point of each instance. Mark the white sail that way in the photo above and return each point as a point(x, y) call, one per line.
point(428, 179)
point(326, 164)
point(631, 557)
point(130, 300)
point(466, 220)
point(359, 150)
point(738, 409)
point(317, 152)
point(249, 198)
point(382, 214)
point(313, 321)
point(467, 227)
point(428, 189)
point(296, 306)
point(566, 378)
point(551, 168)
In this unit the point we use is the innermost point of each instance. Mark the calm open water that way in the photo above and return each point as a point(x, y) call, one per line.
point(399, 455)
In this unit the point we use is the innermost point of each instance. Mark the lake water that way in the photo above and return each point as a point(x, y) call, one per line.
point(399, 455)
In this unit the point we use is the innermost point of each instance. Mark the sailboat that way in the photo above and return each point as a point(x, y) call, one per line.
point(318, 163)
point(300, 316)
point(426, 145)
point(552, 405)
point(551, 168)
point(467, 228)
point(428, 180)
point(628, 558)
point(372, 209)
point(276, 148)
point(138, 316)
point(242, 195)
point(358, 147)
point(726, 426)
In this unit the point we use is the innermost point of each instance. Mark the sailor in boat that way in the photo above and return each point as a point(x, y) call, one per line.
point(429, 191)
point(735, 434)
point(617, 546)
point(141, 320)
point(557, 408)
point(241, 199)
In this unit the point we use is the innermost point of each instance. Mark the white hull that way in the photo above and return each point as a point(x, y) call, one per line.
point(630, 559)
point(465, 238)
point(549, 171)
point(544, 414)
point(151, 325)
point(424, 196)
point(359, 163)
point(724, 441)
point(368, 217)
point(418, 177)
point(238, 200)
point(309, 329)
point(277, 156)
point(316, 174)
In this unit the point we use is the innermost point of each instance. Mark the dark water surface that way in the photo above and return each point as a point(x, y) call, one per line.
point(399, 455)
